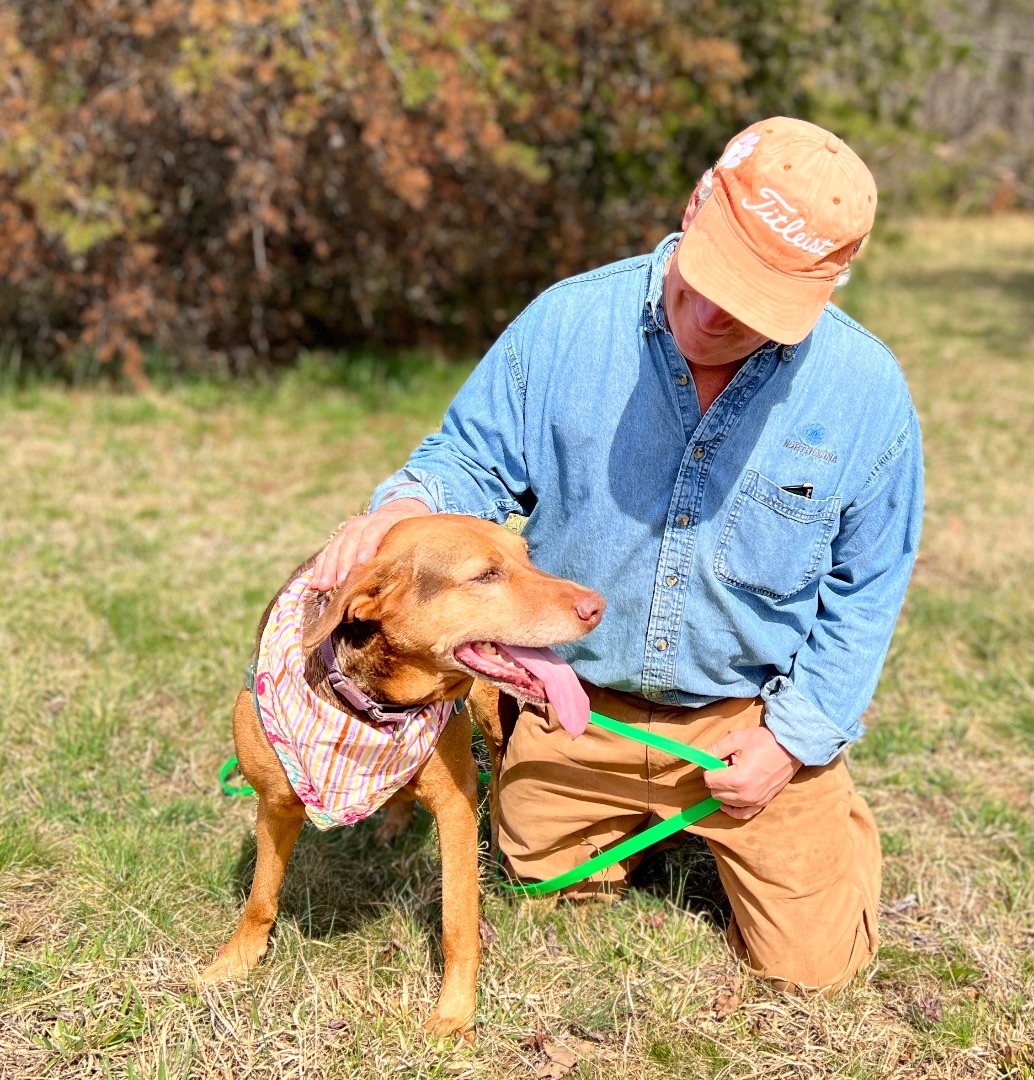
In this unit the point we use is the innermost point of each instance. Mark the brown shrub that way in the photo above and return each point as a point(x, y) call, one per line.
point(247, 177)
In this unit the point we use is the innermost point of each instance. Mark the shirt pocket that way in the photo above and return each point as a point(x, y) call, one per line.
point(774, 542)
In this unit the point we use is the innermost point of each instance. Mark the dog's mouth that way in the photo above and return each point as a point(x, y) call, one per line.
point(536, 675)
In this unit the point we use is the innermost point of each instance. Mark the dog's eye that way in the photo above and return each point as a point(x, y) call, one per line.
point(486, 577)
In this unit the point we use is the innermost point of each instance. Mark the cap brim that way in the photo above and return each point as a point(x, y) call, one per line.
point(714, 261)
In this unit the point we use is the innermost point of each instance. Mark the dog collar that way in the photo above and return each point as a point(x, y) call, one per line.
point(350, 694)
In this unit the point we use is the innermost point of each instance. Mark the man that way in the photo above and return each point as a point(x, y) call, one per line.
point(736, 466)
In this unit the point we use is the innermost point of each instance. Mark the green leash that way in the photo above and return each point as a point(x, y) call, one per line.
point(632, 846)
point(655, 833)
point(229, 766)
point(224, 780)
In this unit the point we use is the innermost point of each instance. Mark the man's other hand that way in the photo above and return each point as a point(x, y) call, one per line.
point(759, 768)
point(359, 539)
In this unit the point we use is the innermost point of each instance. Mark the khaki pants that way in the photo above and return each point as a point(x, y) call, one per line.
point(802, 877)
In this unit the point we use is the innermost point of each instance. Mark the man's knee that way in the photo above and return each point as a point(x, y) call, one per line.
point(803, 968)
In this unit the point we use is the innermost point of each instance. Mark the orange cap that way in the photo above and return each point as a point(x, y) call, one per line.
point(790, 206)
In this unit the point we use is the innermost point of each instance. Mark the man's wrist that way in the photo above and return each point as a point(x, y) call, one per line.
point(794, 762)
point(405, 505)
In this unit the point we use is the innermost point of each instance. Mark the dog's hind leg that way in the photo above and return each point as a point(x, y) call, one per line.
point(398, 817)
point(280, 817)
point(447, 786)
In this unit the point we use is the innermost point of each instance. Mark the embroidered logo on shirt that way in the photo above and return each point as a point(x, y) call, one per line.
point(813, 434)
point(808, 440)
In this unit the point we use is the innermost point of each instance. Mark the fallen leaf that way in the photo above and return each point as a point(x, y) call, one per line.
point(728, 1000)
point(551, 940)
point(536, 1040)
point(561, 1062)
point(726, 1004)
point(930, 1007)
point(487, 932)
point(595, 1036)
point(560, 1054)
point(338, 1024)
point(656, 920)
point(551, 1071)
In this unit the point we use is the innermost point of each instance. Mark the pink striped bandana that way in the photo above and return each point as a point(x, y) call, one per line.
point(342, 767)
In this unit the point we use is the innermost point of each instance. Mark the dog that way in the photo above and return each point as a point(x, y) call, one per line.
point(446, 600)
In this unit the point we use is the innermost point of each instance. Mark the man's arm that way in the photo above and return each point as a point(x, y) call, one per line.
point(812, 713)
point(474, 465)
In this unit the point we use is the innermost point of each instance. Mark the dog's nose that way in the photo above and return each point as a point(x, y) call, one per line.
point(590, 608)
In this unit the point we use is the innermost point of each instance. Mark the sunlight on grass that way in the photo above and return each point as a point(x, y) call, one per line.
point(140, 540)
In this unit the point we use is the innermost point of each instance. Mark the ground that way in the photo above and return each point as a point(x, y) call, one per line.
point(140, 538)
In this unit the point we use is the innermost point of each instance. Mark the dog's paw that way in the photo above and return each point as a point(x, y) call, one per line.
point(454, 1013)
point(232, 959)
point(398, 817)
point(440, 1023)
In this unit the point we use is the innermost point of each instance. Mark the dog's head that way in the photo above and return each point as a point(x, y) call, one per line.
point(446, 598)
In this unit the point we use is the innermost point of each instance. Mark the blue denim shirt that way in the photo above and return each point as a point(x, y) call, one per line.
point(722, 578)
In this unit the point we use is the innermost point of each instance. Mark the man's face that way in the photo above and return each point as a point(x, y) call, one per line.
point(703, 332)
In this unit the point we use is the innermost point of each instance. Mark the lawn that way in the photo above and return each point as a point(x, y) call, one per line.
point(140, 539)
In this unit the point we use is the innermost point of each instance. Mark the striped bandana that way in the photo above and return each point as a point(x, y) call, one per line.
point(342, 767)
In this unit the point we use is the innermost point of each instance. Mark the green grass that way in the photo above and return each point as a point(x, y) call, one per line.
point(140, 538)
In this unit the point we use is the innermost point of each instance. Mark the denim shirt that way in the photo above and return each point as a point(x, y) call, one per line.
point(762, 548)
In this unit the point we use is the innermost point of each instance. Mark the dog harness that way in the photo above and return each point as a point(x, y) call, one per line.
point(343, 767)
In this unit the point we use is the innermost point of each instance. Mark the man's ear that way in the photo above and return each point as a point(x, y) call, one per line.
point(359, 598)
point(701, 193)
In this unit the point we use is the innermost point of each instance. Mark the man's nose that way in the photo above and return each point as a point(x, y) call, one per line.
point(712, 318)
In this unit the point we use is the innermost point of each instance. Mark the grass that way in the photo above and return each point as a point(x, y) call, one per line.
point(139, 541)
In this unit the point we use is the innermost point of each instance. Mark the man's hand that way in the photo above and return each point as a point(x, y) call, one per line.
point(759, 768)
point(359, 540)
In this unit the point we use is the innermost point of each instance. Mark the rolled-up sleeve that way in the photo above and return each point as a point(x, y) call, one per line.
point(815, 710)
point(476, 464)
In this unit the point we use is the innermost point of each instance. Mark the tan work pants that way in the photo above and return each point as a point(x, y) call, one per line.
point(802, 877)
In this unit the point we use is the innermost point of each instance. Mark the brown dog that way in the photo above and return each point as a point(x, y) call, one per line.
point(415, 625)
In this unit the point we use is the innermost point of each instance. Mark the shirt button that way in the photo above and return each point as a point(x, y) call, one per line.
point(671, 579)
point(683, 521)
point(682, 380)
point(661, 645)
point(698, 453)
point(786, 353)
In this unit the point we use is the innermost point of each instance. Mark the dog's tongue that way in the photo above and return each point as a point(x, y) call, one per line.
point(563, 689)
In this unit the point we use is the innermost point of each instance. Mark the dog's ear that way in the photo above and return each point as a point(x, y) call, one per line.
point(358, 598)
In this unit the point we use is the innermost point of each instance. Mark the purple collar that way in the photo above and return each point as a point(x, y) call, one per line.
point(350, 694)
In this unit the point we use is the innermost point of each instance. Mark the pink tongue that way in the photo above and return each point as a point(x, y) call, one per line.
point(563, 689)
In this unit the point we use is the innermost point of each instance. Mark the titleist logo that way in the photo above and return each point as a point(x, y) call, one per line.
point(794, 230)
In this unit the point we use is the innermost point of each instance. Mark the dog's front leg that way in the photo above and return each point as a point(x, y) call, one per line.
point(280, 817)
point(447, 786)
point(495, 714)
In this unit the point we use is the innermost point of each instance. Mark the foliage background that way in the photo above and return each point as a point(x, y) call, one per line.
point(219, 185)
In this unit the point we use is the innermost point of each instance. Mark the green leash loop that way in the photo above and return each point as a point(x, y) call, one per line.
point(229, 766)
point(655, 833)
point(224, 783)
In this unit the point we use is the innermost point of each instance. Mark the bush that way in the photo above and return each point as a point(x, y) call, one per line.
point(245, 178)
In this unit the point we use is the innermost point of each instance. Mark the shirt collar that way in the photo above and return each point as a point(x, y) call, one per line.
point(653, 309)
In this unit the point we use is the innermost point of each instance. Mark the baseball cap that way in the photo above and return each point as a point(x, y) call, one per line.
point(790, 206)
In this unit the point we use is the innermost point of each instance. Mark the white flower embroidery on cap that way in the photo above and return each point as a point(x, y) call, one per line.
point(740, 149)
